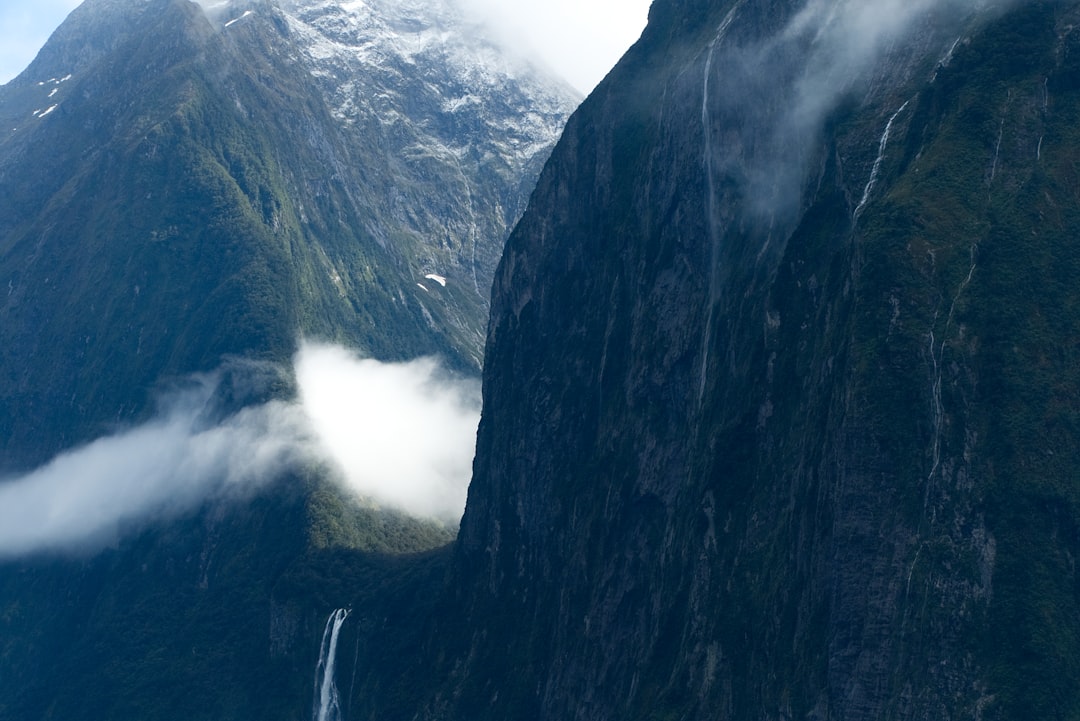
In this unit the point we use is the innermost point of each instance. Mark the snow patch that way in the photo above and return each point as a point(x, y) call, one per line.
point(422, 287)
point(437, 278)
point(236, 20)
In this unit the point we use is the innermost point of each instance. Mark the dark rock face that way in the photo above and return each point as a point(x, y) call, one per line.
point(775, 420)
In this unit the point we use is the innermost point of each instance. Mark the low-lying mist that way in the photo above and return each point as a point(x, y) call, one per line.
point(401, 434)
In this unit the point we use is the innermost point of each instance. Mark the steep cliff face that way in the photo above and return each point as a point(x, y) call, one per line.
point(777, 412)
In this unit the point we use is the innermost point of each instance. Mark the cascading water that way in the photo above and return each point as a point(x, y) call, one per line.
point(937, 359)
point(882, 144)
point(711, 220)
point(327, 706)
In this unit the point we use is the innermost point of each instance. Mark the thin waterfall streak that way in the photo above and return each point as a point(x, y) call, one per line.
point(937, 359)
point(710, 220)
point(324, 646)
point(328, 704)
point(911, 571)
point(710, 200)
point(997, 150)
point(952, 49)
point(939, 414)
point(473, 234)
point(473, 237)
point(972, 251)
point(876, 169)
point(352, 683)
point(475, 281)
point(944, 62)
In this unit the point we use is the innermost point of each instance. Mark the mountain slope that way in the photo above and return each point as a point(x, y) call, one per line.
point(180, 193)
point(776, 413)
point(778, 403)
point(188, 193)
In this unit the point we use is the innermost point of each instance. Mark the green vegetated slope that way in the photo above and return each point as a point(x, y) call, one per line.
point(817, 462)
point(978, 233)
point(181, 205)
point(177, 188)
point(217, 616)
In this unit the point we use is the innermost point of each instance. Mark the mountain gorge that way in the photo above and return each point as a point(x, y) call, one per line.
point(779, 385)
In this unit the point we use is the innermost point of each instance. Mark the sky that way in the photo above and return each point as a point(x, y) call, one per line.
point(579, 39)
point(25, 25)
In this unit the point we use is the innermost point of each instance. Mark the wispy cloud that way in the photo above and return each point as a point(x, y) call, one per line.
point(769, 98)
point(401, 434)
point(87, 496)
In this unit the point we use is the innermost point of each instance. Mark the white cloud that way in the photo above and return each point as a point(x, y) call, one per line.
point(401, 434)
point(775, 94)
point(581, 40)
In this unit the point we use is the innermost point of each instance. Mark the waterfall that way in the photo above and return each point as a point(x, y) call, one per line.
point(997, 150)
point(877, 163)
point(711, 220)
point(327, 706)
point(474, 232)
point(937, 360)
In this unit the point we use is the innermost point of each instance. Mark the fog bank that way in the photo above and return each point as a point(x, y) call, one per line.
point(402, 435)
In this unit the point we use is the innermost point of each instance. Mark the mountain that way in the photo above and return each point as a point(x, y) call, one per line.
point(185, 194)
point(778, 417)
point(181, 186)
point(778, 412)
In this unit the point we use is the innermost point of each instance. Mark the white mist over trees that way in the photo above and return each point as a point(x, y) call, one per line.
point(401, 434)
